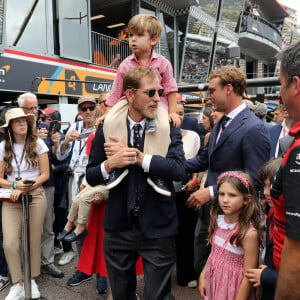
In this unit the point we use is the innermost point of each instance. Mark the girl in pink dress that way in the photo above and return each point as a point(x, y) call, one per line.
point(235, 236)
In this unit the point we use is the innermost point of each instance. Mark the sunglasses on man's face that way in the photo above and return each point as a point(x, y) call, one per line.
point(46, 118)
point(85, 108)
point(152, 92)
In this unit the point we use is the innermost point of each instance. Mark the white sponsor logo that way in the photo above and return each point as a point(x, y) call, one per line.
point(294, 170)
point(297, 159)
point(293, 214)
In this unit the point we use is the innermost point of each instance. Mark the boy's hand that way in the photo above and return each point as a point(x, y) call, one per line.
point(173, 117)
point(253, 275)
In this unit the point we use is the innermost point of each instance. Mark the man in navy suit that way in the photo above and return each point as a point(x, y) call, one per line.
point(239, 141)
point(279, 131)
point(138, 221)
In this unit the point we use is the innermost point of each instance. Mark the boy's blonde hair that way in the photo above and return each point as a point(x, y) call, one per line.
point(145, 22)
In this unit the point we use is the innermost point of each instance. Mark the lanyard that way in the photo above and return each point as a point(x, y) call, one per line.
point(18, 163)
point(223, 248)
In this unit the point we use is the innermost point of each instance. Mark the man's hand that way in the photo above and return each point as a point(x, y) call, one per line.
point(198, 198)
point(56, 138)
point(173, 117)
point(254, 275)
point(190, 187)
point(113, 147)
point(72, 136)
point(123, 158)
point(139, 157)
point(42, 133)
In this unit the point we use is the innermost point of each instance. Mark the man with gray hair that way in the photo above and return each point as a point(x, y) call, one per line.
point(29, 103)
point(260, 110)
point(285, 188)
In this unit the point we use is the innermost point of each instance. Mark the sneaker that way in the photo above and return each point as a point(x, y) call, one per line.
point(101, 287)
point(192, 284)
point(4, 282)
point(35, 293)
point(115, 177)
point(159, 185)
point(78, 278)
point(16, 292)
point(66, 258)
point(58, 250)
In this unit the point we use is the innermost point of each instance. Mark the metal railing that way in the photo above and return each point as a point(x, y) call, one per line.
point(261, 27)
point(108, 51)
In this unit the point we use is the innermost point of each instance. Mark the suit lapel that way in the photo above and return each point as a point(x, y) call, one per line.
point(234, 125)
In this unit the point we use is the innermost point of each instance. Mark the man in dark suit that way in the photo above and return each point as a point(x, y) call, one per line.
point(239, 141)
point(278, 131)
point(138, 221)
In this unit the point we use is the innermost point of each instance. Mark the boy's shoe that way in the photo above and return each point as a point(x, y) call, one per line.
point(16, 292)
point(63, 234)
point(74, 237)
point(115, 177)
point(35, 293)
point(66, 258)
point(159, 185)
point(78, 278)
point(101, 287)
point(4, 282)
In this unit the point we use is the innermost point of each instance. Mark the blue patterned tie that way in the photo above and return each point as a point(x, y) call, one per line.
point(137, 139)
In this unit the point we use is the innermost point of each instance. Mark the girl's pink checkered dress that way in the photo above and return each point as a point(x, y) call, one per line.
point(223, 277)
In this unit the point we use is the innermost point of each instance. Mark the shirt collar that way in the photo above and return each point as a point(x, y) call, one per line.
point(132, 123)
point(236, 111)
point(153, 56)
point(284, 126)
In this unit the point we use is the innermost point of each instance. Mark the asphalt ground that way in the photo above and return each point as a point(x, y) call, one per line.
point(57, 289)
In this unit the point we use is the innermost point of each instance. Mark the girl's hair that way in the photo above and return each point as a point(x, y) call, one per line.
point(31, 156)
point(249, 213)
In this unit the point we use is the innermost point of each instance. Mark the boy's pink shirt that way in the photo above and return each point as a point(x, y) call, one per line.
point(158, 62)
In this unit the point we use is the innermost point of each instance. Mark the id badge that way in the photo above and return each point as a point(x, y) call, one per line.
point(85, 160)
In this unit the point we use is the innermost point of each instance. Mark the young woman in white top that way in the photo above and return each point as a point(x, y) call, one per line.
point(23, 157)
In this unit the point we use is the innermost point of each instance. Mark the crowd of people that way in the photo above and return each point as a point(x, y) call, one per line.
point(140, 187)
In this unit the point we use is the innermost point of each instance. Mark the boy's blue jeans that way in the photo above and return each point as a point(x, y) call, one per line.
point(3, 264)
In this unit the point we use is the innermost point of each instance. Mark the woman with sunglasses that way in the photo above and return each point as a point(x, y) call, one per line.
point(24, 167)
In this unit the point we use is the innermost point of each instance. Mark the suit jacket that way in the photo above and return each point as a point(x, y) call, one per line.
point(157, 214)
point(274, 135)
point(244, 145)
point(285, 143)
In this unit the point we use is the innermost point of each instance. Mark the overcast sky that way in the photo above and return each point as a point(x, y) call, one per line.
point(295, 5)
